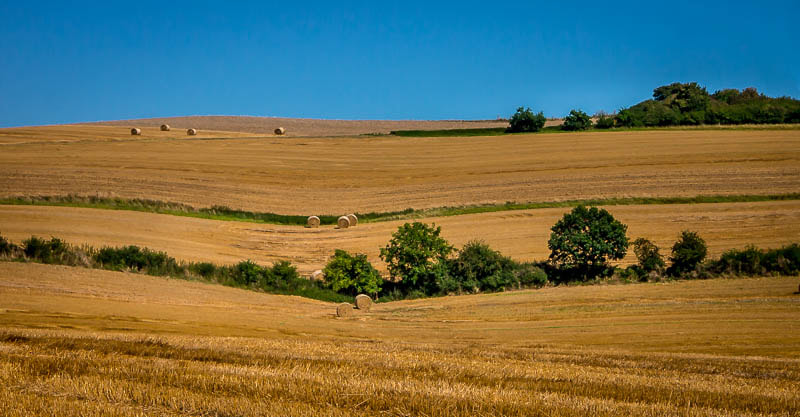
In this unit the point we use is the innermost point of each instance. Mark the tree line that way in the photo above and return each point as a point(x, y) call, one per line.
point(677, 104)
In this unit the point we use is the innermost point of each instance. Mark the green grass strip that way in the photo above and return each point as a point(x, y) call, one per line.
point(228, 214)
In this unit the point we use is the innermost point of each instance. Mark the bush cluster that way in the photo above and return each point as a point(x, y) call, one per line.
point(352, 274)
point(752, 261)
point(280, 278)
point(690, 104)
point(524, 120)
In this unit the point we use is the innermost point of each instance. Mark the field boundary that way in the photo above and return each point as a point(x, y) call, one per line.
point(227, 214)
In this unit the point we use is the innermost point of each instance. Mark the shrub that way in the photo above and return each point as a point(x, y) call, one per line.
point(577, 120)
point(203, 269)
point(584, 240)
point(352, 274)
point(785, 261)
point(416, 255)
point(647, 255)
point(525, 121)
point(604, 121)
point(282, 275)
point(7, 248)
point(53, 251)
point(246, 273)
point(137, 259)
point(479, 267)
point(687, 253)
point(527, 274)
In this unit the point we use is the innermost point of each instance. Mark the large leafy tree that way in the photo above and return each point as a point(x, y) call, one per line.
point(417, 255)
point(585, 240)
point(352, 274)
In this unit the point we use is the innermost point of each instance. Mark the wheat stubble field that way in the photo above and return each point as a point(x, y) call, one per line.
point(81, 342)
point(86, 342)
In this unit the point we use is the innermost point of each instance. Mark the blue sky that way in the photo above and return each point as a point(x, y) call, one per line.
point(84, 61)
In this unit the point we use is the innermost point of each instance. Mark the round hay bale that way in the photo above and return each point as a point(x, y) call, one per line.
point(313, 221)
point(136, 131)
point(363, 302)
point(280, 131)
point(165, 128)
point(343, 222)
point(353, 220)
point(191, 131)
point(344, 310)
point(317, 275)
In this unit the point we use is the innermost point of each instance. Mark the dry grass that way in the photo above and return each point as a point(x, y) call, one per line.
point(308, 127)
point(315, 175)
point(520, 234)
point(79, 342)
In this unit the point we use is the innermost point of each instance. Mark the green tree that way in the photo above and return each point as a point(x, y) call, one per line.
point(584, 240)
point(577, 120)
point(479, 267)
point(352, 274)
point(524, 120)
point(647, 255)
point(417, 256)
point(687, 253)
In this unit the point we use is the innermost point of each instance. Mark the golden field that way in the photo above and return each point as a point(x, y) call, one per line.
point(83, 342)
point(86, 342)
point(361, 174)
point(521, 234)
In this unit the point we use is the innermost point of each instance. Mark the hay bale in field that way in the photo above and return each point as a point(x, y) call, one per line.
point(313, 221)
point(136, 131)
point(191, 131)
point(317, 275)
point(165, 128)
point(344, 310)
point(343, 222)
point(280, 131)
point(353, 219)
point(363, 302)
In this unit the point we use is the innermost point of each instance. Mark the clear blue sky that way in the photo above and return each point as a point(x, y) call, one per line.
point(80, 61)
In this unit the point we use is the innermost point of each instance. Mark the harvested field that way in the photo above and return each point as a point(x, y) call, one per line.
point(307, 127)
point(520, 234)
point(324, 176)
point(83, 342)
point(68, 134)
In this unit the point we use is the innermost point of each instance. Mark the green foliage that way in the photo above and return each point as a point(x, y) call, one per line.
point(137, 259)
point(478, 268)
point(584, 240)
point(528, 274)
point(416, 255)
point(687, 253)
point(754, 261)
point(53, 251)
point(604, 121)
point(346, 273)
point(203, 269)
point(690, 104)
point(577, 120)
point(486, 131)
point(524, 120)
point(648, 256)
point(7, 248)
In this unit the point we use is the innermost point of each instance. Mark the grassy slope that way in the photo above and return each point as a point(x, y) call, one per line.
point(78, 342)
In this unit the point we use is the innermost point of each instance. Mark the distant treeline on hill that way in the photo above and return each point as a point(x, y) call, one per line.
point(690, 104)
